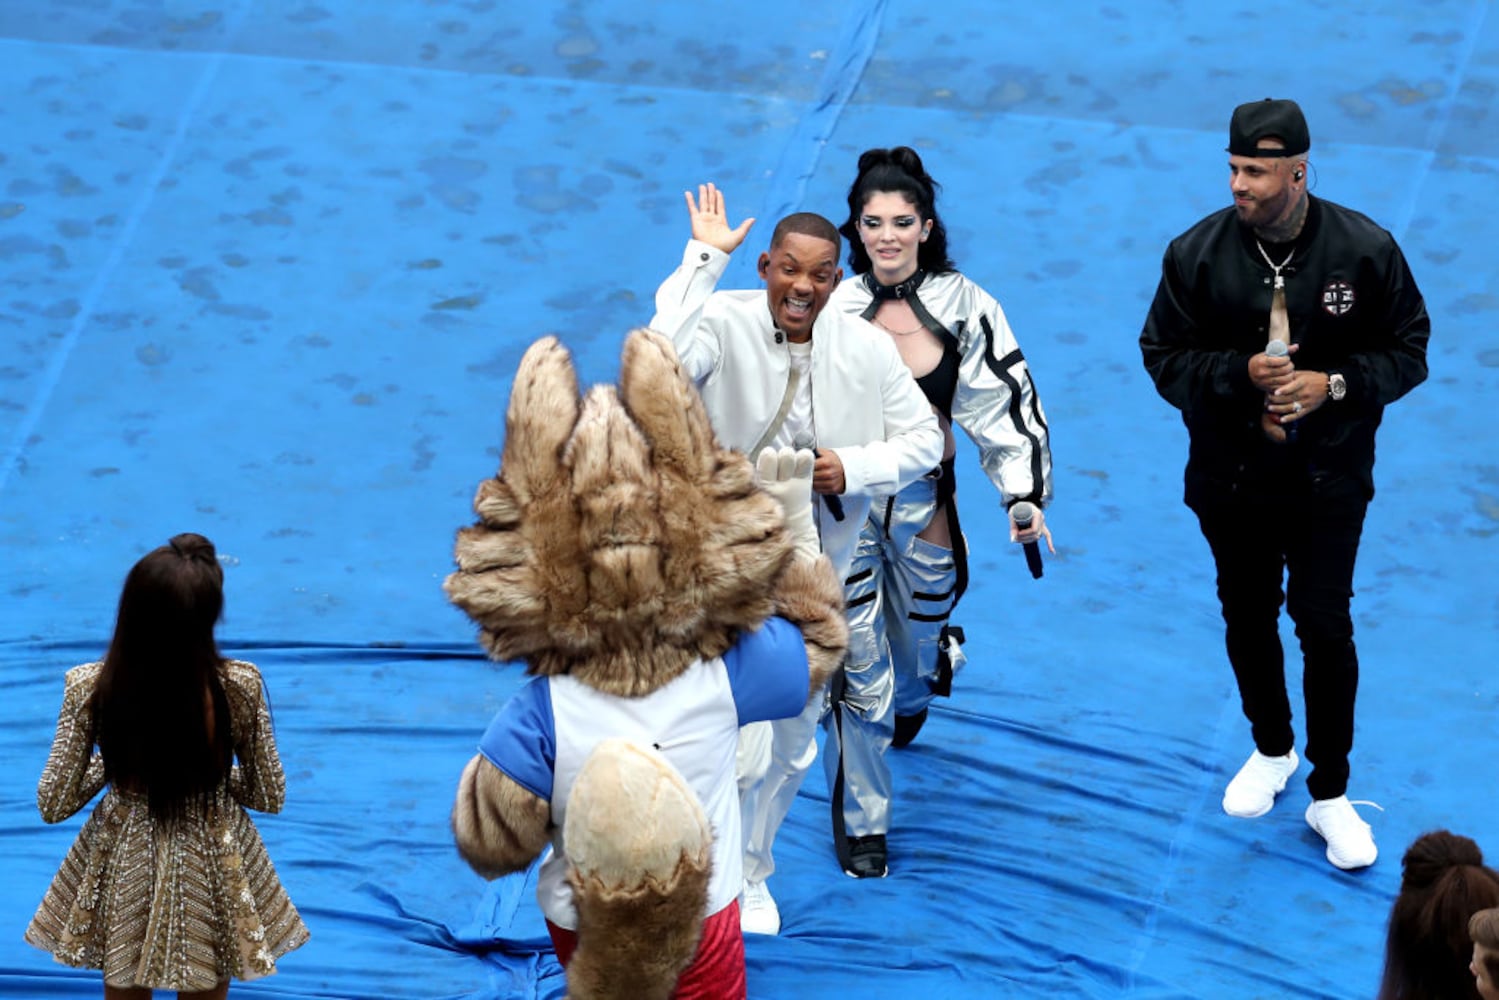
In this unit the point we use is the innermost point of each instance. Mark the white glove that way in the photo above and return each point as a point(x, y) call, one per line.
point(786, 474)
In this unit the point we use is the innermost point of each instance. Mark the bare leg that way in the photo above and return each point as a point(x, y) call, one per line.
point(937, 531)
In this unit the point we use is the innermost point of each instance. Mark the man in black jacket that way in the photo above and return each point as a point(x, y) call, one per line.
point(1281, 328)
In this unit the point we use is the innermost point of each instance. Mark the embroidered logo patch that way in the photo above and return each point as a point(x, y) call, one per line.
point(1337, 297)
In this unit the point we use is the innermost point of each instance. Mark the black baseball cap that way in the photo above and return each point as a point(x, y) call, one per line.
point(1262, 119)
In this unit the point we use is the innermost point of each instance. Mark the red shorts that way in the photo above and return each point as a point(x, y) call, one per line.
point(717, 969)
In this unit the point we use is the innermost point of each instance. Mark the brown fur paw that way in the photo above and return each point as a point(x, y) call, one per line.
point(498, 825)
point(811, 596)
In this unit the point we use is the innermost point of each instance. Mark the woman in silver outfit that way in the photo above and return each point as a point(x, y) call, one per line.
point(910, 566)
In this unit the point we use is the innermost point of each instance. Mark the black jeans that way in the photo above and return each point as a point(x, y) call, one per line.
point(1308, 535)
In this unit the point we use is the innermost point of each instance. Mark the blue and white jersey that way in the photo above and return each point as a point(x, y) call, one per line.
point(542, 736)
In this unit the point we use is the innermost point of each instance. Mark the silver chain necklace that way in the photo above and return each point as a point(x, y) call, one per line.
point(1280, 283)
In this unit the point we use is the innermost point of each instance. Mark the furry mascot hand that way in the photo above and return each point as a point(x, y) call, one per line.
point(657, 597)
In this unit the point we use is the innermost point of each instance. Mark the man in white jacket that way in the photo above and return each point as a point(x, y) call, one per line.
point(774, 368)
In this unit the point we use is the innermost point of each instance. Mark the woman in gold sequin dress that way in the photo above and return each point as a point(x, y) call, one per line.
point(168, 885)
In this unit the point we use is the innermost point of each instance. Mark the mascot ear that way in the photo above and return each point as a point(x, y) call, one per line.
point(666, 407)
point(519, 574)
point(543, 411)
point(724, 536)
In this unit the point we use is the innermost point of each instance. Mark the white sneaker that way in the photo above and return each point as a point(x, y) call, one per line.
point(1350, 842)
point(758, 913)
point(1259, 781)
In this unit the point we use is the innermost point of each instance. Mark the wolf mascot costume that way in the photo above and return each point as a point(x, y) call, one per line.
point(663, 592)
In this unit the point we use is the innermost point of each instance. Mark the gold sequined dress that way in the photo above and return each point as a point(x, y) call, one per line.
point(183, 907)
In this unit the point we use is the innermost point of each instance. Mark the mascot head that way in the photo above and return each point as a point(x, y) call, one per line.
point(619, 541)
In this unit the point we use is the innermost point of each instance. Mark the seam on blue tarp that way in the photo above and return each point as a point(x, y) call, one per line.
point(845, 68)
point(52, 374)
point(1443, 121)
point(1209, 779)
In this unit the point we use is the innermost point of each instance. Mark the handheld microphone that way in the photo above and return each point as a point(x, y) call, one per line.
point(1277, 349)
point(1024, 513)
point(834, 503)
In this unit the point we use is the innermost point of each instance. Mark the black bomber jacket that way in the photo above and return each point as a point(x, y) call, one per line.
point(1354, 309)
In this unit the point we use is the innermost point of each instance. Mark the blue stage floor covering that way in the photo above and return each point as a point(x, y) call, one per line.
point(266, 268)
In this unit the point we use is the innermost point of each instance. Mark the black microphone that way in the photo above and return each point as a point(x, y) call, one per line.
point(1024, 513)
point(803, 442)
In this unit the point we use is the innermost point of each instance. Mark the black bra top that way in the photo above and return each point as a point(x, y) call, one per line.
point(941, 382)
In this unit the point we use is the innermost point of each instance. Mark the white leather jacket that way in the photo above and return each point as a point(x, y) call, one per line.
point(867, 407)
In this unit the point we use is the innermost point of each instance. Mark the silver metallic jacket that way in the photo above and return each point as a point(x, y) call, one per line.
point(995, 402)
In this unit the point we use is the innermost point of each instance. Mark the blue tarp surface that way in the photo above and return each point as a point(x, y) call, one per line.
point(267, 267)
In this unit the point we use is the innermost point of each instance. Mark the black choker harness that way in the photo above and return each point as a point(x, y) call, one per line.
point(905, 289)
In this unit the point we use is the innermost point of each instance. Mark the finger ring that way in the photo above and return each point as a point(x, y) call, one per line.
point(1296, 407)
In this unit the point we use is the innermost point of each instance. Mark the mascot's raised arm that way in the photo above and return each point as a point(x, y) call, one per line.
point(663, 592)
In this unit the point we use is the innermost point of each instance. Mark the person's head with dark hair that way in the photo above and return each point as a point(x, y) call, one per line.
point(800, 271)
point(1268, 142)
point(161, 719)
point(1483, 929)
point(893, 228)
point(1427, 949)
point(807, 224)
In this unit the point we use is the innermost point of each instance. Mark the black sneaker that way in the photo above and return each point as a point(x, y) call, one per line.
point(867, 857)
point(906, 728)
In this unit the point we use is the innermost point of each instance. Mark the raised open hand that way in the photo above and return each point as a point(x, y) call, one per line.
point(710, 221)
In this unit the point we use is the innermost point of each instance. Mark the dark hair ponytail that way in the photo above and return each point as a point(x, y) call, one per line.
point(896, 171)
point(161, 717)
point(1444, 882)
point(1432, 855)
